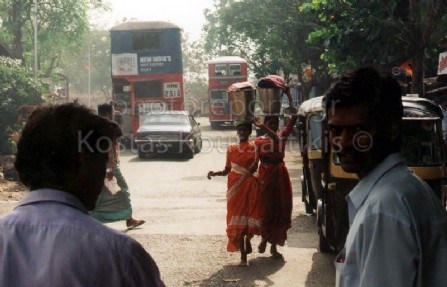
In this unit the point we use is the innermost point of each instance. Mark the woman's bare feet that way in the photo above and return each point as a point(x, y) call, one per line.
point(262, 246)
point(243, 263)
point(243, 249)
point(248, 248)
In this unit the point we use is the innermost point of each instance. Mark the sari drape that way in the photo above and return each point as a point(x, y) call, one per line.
point(244, 200)
point(276, 187)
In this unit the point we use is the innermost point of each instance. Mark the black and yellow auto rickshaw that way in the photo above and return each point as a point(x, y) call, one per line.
point(325, 184)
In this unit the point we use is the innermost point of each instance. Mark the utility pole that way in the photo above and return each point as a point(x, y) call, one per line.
point(35, 37)
point(89, 75)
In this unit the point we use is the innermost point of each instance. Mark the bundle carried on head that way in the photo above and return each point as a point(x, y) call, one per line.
point(270, 90)
point(272, 81)
point(240, 86)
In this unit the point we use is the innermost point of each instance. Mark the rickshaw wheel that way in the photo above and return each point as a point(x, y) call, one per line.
point(323, 242)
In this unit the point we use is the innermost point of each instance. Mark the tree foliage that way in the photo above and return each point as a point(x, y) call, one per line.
point(330, 36)
point(384, 33)
point(195, 81)
point(61, 24)
point(89, 64)
point(17, 87)
point(269, 34)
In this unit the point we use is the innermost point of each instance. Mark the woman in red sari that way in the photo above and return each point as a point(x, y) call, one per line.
point(275, 180)
point(244, 201)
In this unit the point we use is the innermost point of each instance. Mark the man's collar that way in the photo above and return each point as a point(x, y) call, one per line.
point(361, 191)
point(47, 194)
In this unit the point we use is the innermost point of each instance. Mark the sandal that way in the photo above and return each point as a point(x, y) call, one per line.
point(275, 253)
point(134, 223)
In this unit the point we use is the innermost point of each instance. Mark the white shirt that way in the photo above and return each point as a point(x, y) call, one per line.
point(398, 231)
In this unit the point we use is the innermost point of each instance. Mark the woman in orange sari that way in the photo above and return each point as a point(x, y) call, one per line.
point(244, 201)
point(275, 180)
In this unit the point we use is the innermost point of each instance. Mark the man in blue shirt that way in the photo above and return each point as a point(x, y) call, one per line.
point(398, 227)
point(49, 239)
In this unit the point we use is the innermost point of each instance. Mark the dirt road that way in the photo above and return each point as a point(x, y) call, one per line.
point(185, 232)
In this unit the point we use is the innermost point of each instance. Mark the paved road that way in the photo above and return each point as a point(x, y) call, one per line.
point(181, 205)
point(185, 229)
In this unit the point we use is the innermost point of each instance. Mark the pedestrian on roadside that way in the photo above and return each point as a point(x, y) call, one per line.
point(398, 226)
point(49, 239)
point(275, 179)
point(110, 206)
point(244, 201)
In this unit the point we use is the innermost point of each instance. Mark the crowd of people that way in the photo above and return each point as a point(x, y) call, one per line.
point(398, 228)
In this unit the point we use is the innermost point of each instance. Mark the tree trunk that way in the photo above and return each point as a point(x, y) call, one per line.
point(418, 75)
point(16, 21)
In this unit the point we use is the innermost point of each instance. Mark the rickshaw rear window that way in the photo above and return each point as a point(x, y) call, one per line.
point(315, 131)
point(421, 143)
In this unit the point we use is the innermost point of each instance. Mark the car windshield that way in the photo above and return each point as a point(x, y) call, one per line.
point(165, 119)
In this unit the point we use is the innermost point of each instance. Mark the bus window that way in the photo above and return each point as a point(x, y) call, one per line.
point(235, 69)
point(219, 96)
point(220, 69)
point(148, 89)
point(145, 41)
point(122, 93)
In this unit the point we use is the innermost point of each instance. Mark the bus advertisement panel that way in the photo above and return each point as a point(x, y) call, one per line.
point(222, 73)
point(147, 70)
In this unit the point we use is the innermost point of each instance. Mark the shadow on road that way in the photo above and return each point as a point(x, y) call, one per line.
point(322, 273)
point(221, 128)
point(254, 275)
point(304, 234)
point(161, 157)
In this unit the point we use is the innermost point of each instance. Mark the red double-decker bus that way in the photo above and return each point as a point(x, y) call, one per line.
point(222, 73)
point(147, 70)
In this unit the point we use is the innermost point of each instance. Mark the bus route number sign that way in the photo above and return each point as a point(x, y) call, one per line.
point(172, 90)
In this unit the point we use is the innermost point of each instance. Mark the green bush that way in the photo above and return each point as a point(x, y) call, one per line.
point(18, 87)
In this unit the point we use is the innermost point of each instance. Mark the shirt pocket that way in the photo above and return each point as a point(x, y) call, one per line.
point(340, 268)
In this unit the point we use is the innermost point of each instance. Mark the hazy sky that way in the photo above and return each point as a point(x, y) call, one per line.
point(188, 14)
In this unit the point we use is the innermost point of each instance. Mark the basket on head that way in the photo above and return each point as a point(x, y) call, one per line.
point(242, 98)
point(270, 100)
point(270, 90)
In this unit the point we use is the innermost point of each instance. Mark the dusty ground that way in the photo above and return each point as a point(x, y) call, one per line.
point(198, 260)
point(10, 188)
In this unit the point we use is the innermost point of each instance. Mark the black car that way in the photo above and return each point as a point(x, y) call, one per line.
point(173, 132)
